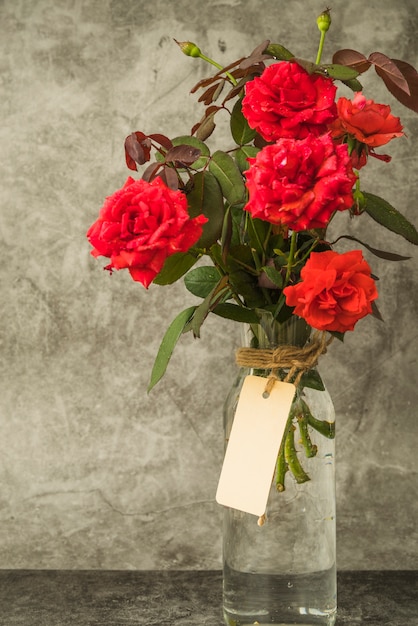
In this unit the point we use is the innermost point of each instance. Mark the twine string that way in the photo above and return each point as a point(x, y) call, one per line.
point(292, 358)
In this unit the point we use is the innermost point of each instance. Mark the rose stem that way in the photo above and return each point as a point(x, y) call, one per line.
point(310, 448)
point(292, 459)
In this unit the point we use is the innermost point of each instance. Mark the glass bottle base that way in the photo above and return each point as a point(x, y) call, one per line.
point(261, 599)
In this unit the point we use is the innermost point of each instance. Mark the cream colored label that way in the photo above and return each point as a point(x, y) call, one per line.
point(253, 445)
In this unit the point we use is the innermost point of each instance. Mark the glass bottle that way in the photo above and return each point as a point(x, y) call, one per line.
point(283, 571)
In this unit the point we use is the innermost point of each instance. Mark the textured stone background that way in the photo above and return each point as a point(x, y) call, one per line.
point(95, 473)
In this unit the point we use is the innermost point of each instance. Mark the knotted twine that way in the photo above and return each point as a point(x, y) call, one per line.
point(292, 358)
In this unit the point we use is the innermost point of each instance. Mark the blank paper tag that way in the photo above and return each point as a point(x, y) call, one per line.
point(253, 445)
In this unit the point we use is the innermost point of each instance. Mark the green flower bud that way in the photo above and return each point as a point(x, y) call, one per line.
point(324, 21)
point(189, 48)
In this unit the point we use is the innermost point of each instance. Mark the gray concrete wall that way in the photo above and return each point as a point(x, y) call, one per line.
point(95, 473)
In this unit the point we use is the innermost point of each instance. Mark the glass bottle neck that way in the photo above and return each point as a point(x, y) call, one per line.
point(270, 333)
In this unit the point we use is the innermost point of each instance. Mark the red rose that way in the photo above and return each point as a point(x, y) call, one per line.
point(286, 101)
point(142, 224)
point(336, 290)
point(300, 183)
point(371, 124)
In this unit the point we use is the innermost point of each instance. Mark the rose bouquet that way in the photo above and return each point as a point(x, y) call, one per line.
point(259, 209)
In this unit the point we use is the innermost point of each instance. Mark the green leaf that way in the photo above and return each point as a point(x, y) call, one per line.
point(376, 313)
point(309, 66)
point(168, 344)
point(201, 313)
point(274, 276)
point(276, 242)
point(226, 234)
point(226, 172)
point(219, 292)
point(281, 258)
point(239, 255)
point(258, 231)
point(354, 84)
point(238, 218)
point(175, 267)
point(201, 281)
point(188, 140)
point(279, 52)
point(236, 313)
point(313, 380)
point(386, 215)
point(246, 286)
point(340, 72)
point(382, 254)
point(206, 197)
point(240, 130)
point(244, 153)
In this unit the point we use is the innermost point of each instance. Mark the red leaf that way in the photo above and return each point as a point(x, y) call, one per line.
point(169, 176)
point(205, 82)
point(164, 141)
point(211, 93)
point(183, 154)
point(256, 56)
point(230, 66)
point(389, 72)
point(351, 58)
point(237, 89)
point(137, 149)
point(411, 76)
point(260, 49)
point(151, 172)
point(130, 162)
point(212, 110)
point(203, 129)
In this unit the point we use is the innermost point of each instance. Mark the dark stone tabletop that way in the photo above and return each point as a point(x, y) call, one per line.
point(180, 598)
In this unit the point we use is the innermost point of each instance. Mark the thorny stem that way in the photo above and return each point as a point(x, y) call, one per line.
point(281, 464)
point(310, 448)
point(291, 457)
point(281, 469)
point(327, 429)
point(287, 459)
